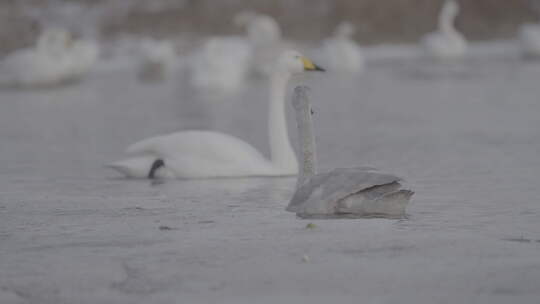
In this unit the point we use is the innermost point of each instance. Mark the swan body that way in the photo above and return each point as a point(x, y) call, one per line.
point(55, 59)
point(529, 36)
point(158, 58)
point(207, 154)
point(221, 65)
point(43, 65)
point(348, 193)
point(342, 53)
point(446, 42)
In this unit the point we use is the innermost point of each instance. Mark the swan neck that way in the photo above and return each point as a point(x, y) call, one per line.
point(308, 157)
point(282, 154)
point(446, 21)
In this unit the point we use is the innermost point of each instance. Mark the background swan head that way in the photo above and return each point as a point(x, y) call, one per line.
point(450, 9)
point(345, 30)
point(54, 40)
point(293, 62)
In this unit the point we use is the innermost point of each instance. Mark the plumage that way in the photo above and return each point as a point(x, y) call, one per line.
point(208, 154)
point(347, 192)
point(446, 42)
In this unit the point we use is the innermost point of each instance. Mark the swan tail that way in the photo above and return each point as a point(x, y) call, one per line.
point(394, 203)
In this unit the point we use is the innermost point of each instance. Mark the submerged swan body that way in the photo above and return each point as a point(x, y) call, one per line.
point(207, 154)
point(343, 54)
point(349, 193)
point(446, 42)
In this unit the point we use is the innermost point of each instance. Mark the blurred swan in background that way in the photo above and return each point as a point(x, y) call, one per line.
point(341, 53)
point(529, 35)
point(220, 65)
point(55, 59)
point(158, 60)
point(207, 154)
point(265, 38)
point(351, 192)
point(446, 42)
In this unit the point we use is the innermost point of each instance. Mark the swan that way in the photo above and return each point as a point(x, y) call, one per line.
point(158, 58)
point(446, 42)
point(341, 52)
point(262, 30)
point(207, 154)
point(55, 59)
point(220, 65)
point(43, 65)
point(265, 39)
point(350, 192)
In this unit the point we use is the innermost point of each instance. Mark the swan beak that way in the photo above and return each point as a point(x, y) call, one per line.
point(310, 66)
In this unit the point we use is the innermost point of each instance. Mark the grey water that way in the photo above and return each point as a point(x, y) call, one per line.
point(465, 135)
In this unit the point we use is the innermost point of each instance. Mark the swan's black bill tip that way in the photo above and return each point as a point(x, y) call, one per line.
point(319, 69)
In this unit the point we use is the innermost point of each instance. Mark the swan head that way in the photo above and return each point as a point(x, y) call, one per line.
point(345, 29)
point(294, 62)
point(243, 18)
point(54, 39)
point(450, 8)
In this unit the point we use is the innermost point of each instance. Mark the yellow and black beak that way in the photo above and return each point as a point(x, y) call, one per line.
point(310, 66)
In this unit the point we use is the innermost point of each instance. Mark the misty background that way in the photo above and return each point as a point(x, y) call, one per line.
point(304, 20)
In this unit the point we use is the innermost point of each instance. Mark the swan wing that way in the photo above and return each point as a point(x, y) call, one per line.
point(328, 188)
point(204, 154)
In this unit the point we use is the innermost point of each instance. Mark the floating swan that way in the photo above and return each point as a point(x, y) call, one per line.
point(341, 53)
point(158, 58)
point(447, 42)
point(262, 30)
point(43, 65)
point(55, 59)
point(220, 65)
point(264, 36)
point(206, 154)
point(352, 192)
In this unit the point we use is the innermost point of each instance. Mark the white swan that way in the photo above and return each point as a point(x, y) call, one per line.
point(529, 37)
point(206, 154)
point(158, 59)
point(262, 30)
point(55, 59)
point(446, 42)
point(221, 65)
point(265, 39)
point(341, 53)
point(43, 65)
point(351, 193)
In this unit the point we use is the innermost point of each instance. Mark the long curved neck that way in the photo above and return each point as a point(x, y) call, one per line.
point(282, 154)
point(308, 156)
point(446, 20)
